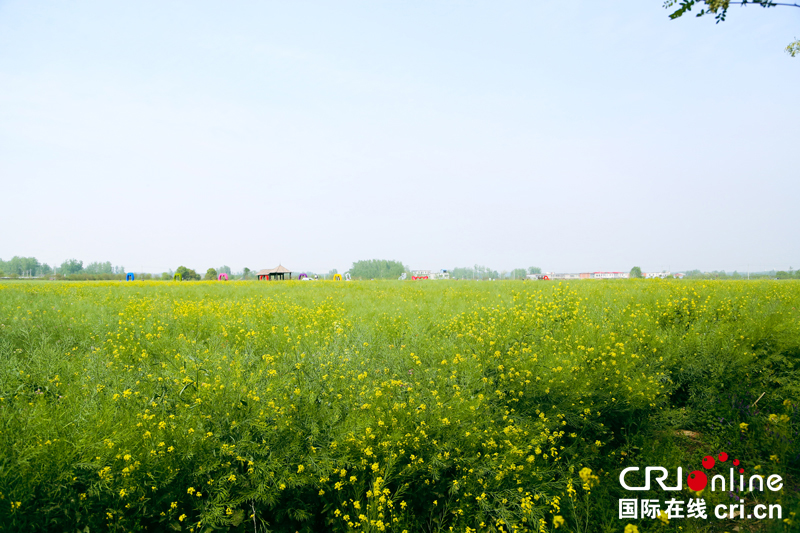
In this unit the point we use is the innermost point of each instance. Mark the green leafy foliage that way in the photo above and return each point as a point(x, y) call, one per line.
point(719, 8)
point(377, 269)
point(518, 273)
point(24, 266)
point(187, 274)
point(476, 272)
point(71, 266)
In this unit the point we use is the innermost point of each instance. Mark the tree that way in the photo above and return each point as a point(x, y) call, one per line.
point(479, 272)
point(99, 268)
point(187, 274)
point(224, 269)
point(72, 266)
point(246, 273)
point(636, 272)
point(377, 269)
point(534, 270)
point(719, 8)
point(21, 266)
point(482, 272)
point(462, 273)
point(211, 274)
point(518, 273)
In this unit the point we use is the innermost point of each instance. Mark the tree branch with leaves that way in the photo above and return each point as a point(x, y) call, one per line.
point(719, 8)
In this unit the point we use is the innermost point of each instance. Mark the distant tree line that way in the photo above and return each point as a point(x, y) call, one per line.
point(377, 269)
point(73, 269)
point(189, 274)
point(483, 272)
point(24, 267)
point(19, 267)
point(721, 274)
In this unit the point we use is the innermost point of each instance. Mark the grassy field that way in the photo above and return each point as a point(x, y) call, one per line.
point(389, 406)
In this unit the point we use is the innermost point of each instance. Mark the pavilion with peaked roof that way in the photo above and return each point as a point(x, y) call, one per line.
point(270, 274)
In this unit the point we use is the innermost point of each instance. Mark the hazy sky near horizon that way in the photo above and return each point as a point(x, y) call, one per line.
point(573, 136)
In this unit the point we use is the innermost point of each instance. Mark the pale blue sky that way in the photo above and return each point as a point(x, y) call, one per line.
point(574, 136)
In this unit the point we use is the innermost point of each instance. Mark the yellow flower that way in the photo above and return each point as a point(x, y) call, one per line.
point(630, 528)
point(663, 517)
point(182, 517)
point(558, 521)
point(589, 480)
point(743, 426)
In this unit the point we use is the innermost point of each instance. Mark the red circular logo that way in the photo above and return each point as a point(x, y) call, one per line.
point(697, 480)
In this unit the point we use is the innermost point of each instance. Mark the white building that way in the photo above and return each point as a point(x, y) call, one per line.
point(565, 276)
point(611, 275)
point(430, 274)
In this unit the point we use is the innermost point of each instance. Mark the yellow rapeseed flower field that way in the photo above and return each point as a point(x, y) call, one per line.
point(376, 406)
